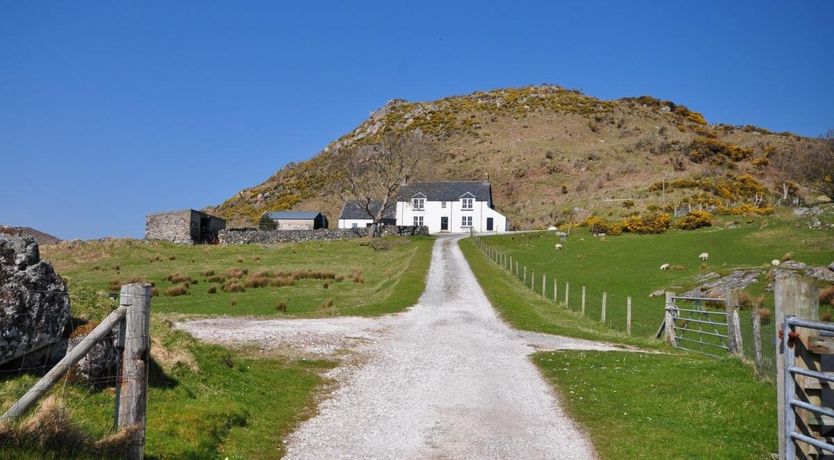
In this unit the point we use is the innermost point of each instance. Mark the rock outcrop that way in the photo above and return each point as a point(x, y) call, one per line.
point(34, 303)
point(100, 365)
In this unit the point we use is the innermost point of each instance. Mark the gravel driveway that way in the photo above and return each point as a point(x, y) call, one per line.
point(445, 379)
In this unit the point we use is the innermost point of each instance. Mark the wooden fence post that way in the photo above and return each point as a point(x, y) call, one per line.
point(133, 382)
point(583, 300)
point(555, 289)
point(798, 296)
point(757, 341)
point(525, 276)
point(604, 301)
point(628, 315)
point(733, 323)
point(669, 327)
point(516, 268)
point(533, 280)
point(544, 286)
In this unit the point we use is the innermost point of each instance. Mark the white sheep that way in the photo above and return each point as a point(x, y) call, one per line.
point(552, 228)
point(665, 267)
point(775, 262)
point(558, 246)
point(704, 256)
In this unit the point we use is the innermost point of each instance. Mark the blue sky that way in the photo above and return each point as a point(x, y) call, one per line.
point(111, 110)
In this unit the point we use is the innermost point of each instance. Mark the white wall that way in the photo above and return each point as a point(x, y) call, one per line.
point(434, 211)
point(348, 223)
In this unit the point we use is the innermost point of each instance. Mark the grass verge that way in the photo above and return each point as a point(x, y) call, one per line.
point(637, 405)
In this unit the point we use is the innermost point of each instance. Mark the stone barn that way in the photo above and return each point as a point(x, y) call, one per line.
point(185, 227)
point(297, 220)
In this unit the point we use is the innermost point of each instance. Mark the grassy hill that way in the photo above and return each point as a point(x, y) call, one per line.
point(546, 150)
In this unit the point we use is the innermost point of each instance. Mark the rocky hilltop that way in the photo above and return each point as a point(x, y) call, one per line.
point(548, 150)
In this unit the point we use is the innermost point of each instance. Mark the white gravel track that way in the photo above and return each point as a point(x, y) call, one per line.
point(445, 379)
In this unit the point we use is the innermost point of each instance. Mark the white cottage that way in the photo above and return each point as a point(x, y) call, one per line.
point(459, 206)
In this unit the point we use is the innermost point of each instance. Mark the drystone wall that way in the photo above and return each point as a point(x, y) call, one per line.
point(175, 227)
point(254, 236)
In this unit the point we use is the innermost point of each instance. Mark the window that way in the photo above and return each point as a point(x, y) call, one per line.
point(443, 204)
point(467, 203)
point(418, 204)
point(355, 225)
point(466, 221)
point(418, 221)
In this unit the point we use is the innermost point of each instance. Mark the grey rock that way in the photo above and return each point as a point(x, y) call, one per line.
point(831, 266)
point(98, 367)
point(739, 279)
point(793, 265)
point(822, 274)
point(34, 303)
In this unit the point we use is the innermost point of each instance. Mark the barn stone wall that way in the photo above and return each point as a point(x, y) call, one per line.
point(172, 226)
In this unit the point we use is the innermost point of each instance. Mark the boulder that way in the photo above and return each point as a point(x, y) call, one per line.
point(99, 366)
point(831, 266)
point(34, 303)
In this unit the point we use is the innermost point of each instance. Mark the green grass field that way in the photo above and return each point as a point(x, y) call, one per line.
point(648, 406)
point(370, 278)
point(628, 265)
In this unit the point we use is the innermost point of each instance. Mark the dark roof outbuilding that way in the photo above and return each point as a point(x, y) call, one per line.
point(293, 215)
point(353, 210)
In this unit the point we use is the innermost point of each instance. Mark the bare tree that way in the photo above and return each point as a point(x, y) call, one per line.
point(371, 175)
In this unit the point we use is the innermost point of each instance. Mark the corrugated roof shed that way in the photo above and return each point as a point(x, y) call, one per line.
point(293, 215)
point(447, 191)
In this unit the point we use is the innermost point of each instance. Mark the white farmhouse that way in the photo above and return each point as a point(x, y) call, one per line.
point(459, 206)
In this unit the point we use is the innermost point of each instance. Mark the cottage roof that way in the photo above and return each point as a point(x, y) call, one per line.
point(353, 210)
point(448, 191)
point(293, 215)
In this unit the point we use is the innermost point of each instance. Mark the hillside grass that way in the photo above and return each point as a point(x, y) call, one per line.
point(639, 405)
point(628, 265)
point(648, 406)
point(371, 278)
point(210, 403)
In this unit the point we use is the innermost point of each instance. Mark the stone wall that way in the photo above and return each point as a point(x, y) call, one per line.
point(254, 236)
point(171, 226)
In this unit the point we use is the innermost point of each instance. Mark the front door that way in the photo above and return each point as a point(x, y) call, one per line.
point(444, 224)
point(489, 224)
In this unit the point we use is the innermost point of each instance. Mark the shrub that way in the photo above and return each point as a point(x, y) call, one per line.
point(744, 300)
point(281, 307)
point(325, 285)
point(765, 314)
point(177, 290)
point(208, 273)
point(282, 280)
point(358, 277)
point(155, 292)
point(256, 281)
point(233, 286)
point(326, 304)
point(649, 224)
point(179, 278)
point(695, 219)
point(628, 204)
point(827, 295)
point(236, 272)
point(212, 290)
point(601, 225)
point(216, 279)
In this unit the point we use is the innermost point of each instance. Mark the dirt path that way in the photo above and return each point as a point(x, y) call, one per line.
point(446, 379)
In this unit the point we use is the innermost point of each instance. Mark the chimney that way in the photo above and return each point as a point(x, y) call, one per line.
point(486, 177)
point(405, 180)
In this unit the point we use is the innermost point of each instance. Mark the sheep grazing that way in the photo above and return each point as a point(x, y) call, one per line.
point(775, 262)
point(665, 266)
point(552, 228)
point(704, 256)
point(558, 246)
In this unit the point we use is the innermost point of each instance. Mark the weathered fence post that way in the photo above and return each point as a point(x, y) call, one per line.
point(604, 301)
point(798, 296)
point(525, 276)
point(669, 327)
point(533, 280)
point(567, 294)
point(135, 359)
point(555, 289)
point(583, 300)
point(516, 268)
point(544, 286)
point(628, 315)
point(733, 323)
point(757, 340)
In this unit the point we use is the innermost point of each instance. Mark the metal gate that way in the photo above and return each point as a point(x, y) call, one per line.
point(805, 390)
point(697, 328)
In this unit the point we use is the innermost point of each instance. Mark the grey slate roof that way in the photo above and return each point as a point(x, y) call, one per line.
point(352, 210)
point(447, 191)
point(293, 215)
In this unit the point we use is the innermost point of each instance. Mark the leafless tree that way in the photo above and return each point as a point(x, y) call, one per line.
point(371, 175)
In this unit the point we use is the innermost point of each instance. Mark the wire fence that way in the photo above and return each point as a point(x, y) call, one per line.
point(626, 313)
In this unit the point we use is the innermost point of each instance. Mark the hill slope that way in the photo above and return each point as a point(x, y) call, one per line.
point(547, 149)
